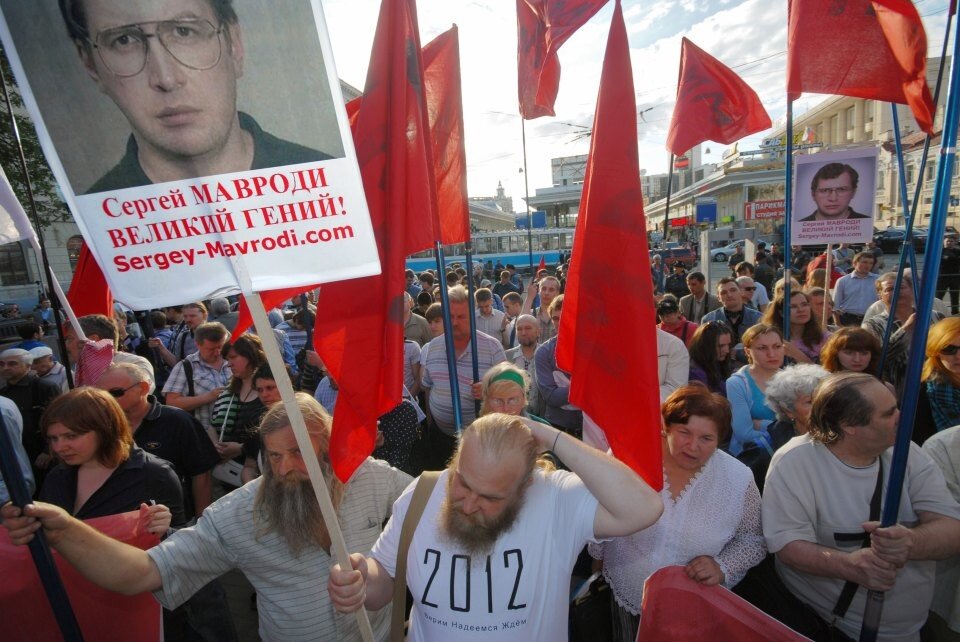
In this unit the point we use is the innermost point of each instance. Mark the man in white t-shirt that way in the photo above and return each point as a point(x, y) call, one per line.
point(817, 512)
point(492, 553)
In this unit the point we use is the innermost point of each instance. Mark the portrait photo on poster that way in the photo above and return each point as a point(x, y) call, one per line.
point(195, 141)
point(834, 197)
point(134, 92)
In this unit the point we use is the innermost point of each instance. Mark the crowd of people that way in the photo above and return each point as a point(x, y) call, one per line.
point(775, 453)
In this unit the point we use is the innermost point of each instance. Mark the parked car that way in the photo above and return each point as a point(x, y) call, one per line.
point(891, 239)
point(676, 254)
point(721, 254)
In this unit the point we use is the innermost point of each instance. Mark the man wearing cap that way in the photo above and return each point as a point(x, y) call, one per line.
point(31, 395)
point(672, 322)
point(48, 369)
point(676, 283)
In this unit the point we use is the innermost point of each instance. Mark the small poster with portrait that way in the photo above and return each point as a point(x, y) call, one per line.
point(833, 197)
point(196, 142)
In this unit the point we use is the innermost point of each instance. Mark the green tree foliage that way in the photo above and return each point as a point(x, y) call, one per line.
point(49, 203)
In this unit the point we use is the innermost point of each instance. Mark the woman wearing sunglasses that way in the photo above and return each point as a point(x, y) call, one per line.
point(941, 373)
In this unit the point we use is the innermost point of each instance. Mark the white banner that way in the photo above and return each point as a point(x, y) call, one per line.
point(14, 224)
point(195, 142)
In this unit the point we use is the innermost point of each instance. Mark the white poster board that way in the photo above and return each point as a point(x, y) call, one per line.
point(834, 194)
point(185, 140)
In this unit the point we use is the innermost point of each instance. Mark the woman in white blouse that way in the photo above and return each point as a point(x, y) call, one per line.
point(711, 517)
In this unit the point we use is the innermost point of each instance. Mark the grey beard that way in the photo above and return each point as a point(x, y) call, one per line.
point(288, 506)
point(473, 533)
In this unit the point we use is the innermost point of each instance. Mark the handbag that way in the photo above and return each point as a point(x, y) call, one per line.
point(591, 615)
point(228, 471)
point(421, 495)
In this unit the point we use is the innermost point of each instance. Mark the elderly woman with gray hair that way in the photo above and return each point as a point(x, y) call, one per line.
point(790, 395)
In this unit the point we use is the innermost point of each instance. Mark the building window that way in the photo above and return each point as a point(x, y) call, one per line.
point(74, 245)
point(13, 265)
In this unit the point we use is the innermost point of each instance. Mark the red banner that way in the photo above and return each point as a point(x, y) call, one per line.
point(102, 615)
point(764, 210)
point(683, 221)
point(678, 609)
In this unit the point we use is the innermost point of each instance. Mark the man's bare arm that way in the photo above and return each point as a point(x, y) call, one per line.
point(104, 561)
point(368, 584)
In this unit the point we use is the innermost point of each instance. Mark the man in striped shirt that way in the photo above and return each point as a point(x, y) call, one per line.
point(436, 378)
point(270, 529)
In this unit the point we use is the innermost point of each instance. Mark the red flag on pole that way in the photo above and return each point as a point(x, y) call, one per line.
point(359, 333)
point(713, 103)
point(542, 265)
point(542, 26)
point(89, 292)
point(859, 48)
point(270, 299)
point(613, 381)
point(441, 76)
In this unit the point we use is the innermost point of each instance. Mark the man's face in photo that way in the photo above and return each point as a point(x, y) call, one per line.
point(833, 195)
point(182, 104)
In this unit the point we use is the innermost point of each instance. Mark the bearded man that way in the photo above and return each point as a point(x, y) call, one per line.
point(270, 529)
point(500, 533)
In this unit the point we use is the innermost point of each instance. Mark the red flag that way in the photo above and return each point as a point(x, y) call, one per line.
point(89, 292)
point(441, 79)
point(542, 26)
point(678, 609)
point(270, 299)
point(102, 615)
point(359, 335)
point(859, 48)
point(713, 103)
point(613, 381)
point(542, 265)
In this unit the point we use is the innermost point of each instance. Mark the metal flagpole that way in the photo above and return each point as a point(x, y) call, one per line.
point(448, 338)
point(907, 251)
point(666, 221)
point(908, 403)
point(57, 298)
point(39, 550)
point(788, 224)
point(475, 359)
point(526, 193)
point(826, 283)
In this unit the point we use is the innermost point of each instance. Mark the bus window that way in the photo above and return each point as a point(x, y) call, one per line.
point(567, 241)
point(523, 243)
point(485, 245)
point(504, 242)
point(552, 241)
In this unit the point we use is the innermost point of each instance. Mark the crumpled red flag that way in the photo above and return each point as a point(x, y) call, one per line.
point(542, 26)
point(861, 48)
point(103, 616)
point(713, 103)
point(89, 292)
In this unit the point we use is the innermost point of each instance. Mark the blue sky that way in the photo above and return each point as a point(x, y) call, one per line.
point(748, 35)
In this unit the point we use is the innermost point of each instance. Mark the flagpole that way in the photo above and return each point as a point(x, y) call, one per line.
point(448, 338)
point(526, 194)
point(39, 549)
point(826, 283)
point(908, 404)
point(906, 250)
point(471, 305)
point(788, 224)
point(666, 221)
point(58, 298)
point(338, 546)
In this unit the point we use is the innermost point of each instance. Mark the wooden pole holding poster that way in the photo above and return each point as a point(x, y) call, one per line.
point(338, 547)
point(826, 286)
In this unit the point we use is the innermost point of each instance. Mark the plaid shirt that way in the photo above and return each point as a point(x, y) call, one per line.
point(205, 379)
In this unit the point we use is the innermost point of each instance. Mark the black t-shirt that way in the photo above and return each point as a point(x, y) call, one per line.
point(176, 436)
point(32, 395)
point(950, 262)
point(140, 479)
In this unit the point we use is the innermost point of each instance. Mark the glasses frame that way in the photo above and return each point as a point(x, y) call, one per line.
point(113, 392)
point(217, 29)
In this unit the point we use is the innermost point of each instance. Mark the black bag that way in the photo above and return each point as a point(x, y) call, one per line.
point(591, 617)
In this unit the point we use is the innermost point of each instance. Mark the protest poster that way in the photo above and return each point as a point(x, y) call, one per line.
point(189, 139)
point(834, 194)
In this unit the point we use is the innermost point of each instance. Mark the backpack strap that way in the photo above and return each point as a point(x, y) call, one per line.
point(425, 486)
point(188, 373)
